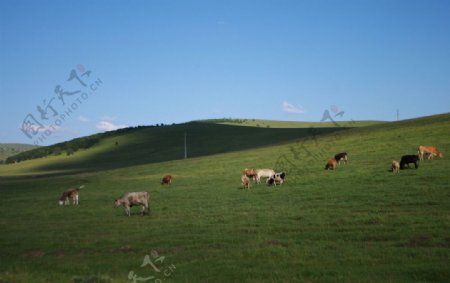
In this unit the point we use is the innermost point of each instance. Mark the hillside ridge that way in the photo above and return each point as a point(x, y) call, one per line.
point(145, 145)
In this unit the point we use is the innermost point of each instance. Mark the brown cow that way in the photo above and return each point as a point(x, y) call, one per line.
point(166, 180)
point(245, 182)
point(331, 164)
point(70, 194)
point(430, 151)
point(250, 173)
point(395, 166)
point(134, 199)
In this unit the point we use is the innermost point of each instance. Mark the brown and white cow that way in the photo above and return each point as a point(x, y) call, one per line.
point(331, 164)
point(167, 180)
point(245, 182)
point(70, 194)
point(395, 166)
point(430, 151)
point(131, 199)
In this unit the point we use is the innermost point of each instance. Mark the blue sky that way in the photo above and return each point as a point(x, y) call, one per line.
point(167, 61)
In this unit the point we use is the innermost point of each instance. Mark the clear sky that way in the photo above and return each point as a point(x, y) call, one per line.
point(171, 61)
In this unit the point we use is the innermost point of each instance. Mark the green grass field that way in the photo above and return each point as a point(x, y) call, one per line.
point(359, 223)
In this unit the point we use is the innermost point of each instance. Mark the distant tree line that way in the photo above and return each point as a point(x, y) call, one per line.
point(69, 147)
point(10, 149)
point(228, 120)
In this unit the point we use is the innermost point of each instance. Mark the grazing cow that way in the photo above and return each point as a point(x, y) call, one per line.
point(266, 173)
point(407, 159)
point(70, 194)
point(343, 156)
point(281, 175)
point(395, 166)
point(245, 182)
point(430, 151)
point(277, 179)
point(250, 173)
point(134, 199)
point(331, 164)
point(166, 180)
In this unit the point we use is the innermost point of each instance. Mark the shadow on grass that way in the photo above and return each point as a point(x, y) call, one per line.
point(159, 144)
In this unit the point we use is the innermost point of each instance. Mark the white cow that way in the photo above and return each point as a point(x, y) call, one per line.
point(134, 199)
point(266, 173)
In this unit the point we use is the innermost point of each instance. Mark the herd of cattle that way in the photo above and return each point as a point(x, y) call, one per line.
point(332, 163)
point(422, 152)
point(131, 199)
point(280, 177)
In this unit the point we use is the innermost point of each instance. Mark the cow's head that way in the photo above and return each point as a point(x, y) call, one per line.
point(117, 203)
point(440, 154)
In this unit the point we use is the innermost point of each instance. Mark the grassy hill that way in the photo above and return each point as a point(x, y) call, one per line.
point(359, 223)
point(9, 149)
point(157, 144)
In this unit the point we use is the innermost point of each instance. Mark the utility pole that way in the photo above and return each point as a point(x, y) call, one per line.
point(185, 146)
point(398, 114)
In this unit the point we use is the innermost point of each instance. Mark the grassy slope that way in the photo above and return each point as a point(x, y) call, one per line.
point(359, 223)
point(157, 144)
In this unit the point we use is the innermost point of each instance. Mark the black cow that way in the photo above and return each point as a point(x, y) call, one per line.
point(407, 159)
point(341, 157)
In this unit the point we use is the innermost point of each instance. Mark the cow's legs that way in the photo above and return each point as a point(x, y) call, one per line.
point(146, 209)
